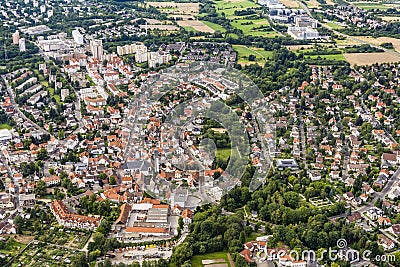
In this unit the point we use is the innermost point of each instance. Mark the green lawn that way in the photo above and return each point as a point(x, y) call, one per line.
point(228, 8)
point(252, 237)
point(254, 27)
point(214, 26)
point(196, 260)
point(334, 25)
point(245, 51)
point(369, 6)
point(12, 247)
point(223, 153)
point(5, 126)
point(189, 28)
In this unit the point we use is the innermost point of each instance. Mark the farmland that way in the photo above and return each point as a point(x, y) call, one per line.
point(381, 40)
point(228, 7)
point(371, 58)
point(371, 5)
point(195, 25)
point(176, 8)
point(253, 27)
point(214, 26)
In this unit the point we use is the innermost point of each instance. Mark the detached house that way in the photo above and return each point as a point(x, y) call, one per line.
point(374, 213)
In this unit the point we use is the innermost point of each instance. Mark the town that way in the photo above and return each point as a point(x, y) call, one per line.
point(216, 133)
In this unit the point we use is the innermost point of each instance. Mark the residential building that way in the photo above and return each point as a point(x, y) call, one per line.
point(72, 220)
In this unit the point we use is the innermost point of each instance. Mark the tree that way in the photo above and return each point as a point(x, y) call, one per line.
point(79, 260)
point(42, 154)
point(40, 188)
point(112, 180)
point(182, 253)
point(180, 222)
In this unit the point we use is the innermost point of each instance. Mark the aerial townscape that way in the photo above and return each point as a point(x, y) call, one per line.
point(203, 133)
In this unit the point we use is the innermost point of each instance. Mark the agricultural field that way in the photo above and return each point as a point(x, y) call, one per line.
point(176, 8)
point(371, 5)
point(346, 42)
point(381, 40)
point(228, 7)
point(244, 52)
point(214, 26)
point(290, 3)
point(253, 27)
point(337, 57)
point(316, 4)
point(371, 58)
point(196, 25)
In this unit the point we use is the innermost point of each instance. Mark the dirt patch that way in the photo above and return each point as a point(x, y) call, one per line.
point(230, 260)
point(371, 58)
point(196, 24)
point(212, 261)
point(290, 3)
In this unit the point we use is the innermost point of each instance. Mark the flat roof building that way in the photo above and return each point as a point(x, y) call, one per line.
point(287, 164)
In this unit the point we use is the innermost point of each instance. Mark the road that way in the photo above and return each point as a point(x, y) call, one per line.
point(381, 195)
point(303, 140)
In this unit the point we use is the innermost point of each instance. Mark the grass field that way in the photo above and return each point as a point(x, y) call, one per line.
point(223, 153)
point(369, 6)
point(196, 25)
point(5, 126)
point(196, 260)
point(189, 28)
point(252, 27)
point(334, 25)
point(244, 52)
point(228, 7)
point(330, 57)
point(214, 26)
